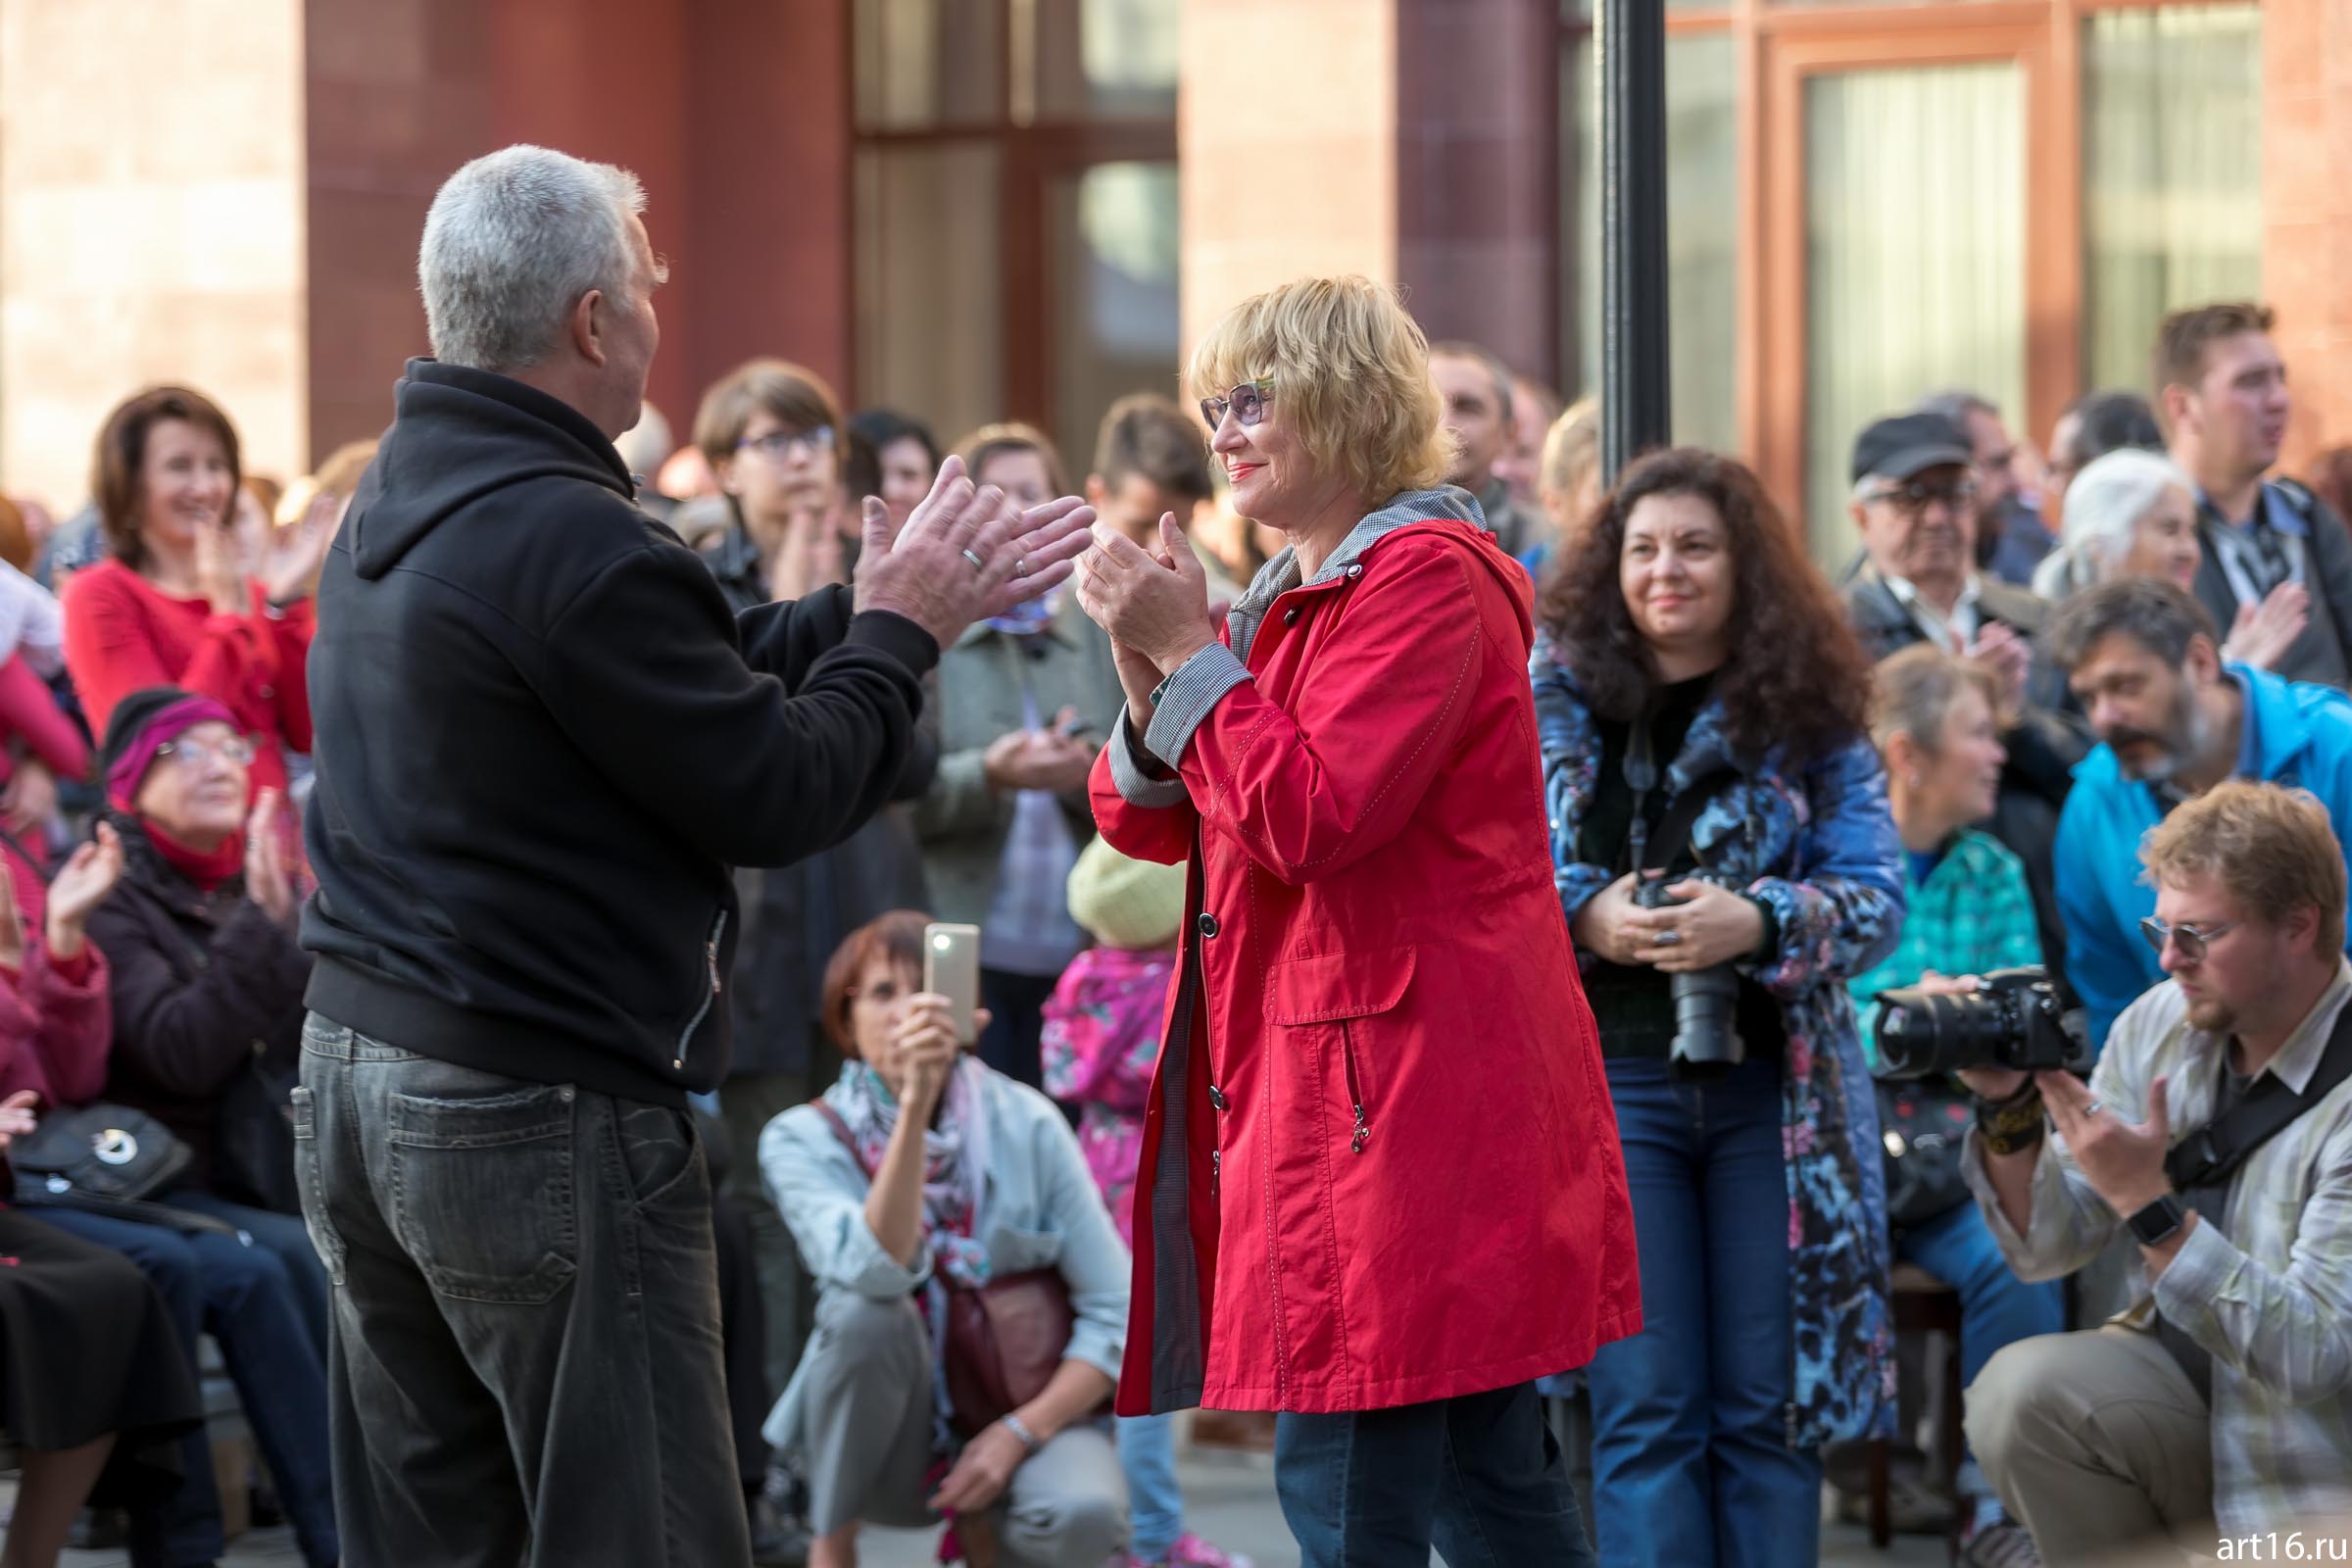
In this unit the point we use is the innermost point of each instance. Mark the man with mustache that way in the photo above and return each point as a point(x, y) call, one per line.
point(2173, 721)
point(2222, 397)
point(1915, 505)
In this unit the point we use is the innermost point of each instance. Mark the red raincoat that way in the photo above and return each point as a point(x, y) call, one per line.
point(1380, 1162)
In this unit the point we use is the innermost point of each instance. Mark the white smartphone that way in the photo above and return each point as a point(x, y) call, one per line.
point(952, 969)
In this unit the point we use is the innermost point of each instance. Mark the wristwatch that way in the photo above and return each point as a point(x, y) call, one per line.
point(2159, 1222)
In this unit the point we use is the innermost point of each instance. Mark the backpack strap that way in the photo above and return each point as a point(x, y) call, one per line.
point(2211, 1155)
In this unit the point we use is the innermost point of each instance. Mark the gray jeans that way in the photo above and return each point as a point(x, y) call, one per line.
point(868, 1445)
point(524, 1361)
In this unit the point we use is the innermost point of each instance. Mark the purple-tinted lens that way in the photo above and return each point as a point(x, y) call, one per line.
point(1248, 403)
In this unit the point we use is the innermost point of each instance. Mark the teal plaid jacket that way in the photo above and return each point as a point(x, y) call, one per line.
point(1972, 916)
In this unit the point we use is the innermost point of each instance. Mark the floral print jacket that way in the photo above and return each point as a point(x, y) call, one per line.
point(1817, 843)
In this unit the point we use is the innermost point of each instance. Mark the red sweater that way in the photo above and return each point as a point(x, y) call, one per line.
point(55, 1026)
point(122, 634)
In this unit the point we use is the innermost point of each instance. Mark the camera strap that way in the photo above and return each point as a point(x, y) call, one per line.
point(1643, 775)
point(2209, 1157)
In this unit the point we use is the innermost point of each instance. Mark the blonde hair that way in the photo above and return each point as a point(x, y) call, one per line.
point(1911, 693)
point(2271, 848)
point(1571, 450)
point(1351, 379)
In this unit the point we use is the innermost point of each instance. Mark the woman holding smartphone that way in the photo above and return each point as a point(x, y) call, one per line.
point(920, 1174)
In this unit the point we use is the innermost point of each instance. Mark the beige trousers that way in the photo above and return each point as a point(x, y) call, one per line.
point(2098, 1445)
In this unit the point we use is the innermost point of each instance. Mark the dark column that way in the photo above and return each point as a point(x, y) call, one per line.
point(1636, 413)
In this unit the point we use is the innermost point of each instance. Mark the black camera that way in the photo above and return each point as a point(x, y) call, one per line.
point(2014, 1020)
point(1706, 1001)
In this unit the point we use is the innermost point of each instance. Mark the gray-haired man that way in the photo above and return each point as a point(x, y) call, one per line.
point(542, 742)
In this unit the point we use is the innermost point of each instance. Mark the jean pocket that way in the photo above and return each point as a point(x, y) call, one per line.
point(483, 1196)
point(659, 1150)
point(311, 1185)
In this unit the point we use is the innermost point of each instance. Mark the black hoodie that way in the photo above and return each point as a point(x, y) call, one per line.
point(543, 740)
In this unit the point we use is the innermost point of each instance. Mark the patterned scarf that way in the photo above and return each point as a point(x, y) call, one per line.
point(953, 1159)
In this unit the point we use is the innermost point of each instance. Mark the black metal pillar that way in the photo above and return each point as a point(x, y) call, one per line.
point(1636, 411)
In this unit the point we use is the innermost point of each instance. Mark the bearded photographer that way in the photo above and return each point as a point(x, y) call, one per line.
point(2224, 1394)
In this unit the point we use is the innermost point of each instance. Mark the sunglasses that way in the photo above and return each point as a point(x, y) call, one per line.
point(1246, 401)
point(1914, 495)
point(2191, 940)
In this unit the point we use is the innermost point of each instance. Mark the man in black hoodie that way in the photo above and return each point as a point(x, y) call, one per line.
point(542, 743)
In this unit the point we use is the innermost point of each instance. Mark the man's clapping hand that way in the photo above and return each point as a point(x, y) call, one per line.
point(928, 574)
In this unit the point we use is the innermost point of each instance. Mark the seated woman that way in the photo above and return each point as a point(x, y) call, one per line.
point(1934, 718)
point(56, 1031)
point(2133, 514)
point(920, 1174)
point(93, 1385)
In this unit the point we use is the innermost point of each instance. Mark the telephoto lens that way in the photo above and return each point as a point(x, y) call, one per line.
point(2012, 1019)
point(1706, 1003)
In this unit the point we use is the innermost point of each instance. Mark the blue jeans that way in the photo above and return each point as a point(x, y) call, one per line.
point(1478, 1476)
point(246, 1298)
point(1155, 1501)
point(1996, 1307)
point(1690, 1455)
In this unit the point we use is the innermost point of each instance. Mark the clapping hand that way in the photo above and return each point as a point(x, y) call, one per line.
point(269, 867)
point(87, 878)
point(2264, 632)
point(291, 558)
point(965, 554)
point(1152, 603)
point(18, 1117)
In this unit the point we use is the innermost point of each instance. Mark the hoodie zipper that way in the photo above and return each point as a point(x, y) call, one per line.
point(719, 930)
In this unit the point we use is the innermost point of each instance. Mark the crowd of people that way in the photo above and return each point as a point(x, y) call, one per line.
point(1437, 909)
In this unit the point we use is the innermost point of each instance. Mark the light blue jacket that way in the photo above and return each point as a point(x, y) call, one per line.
point(1039, 1208)
point(2296, 734)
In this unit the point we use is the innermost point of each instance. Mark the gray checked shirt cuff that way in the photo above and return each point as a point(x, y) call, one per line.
point(1186, 697)
point(1127, 773)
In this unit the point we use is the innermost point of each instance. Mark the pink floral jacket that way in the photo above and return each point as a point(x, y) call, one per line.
point(1101, 1039)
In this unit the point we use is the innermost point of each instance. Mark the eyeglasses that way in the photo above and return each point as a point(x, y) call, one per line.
point(1916, 496)
point(2192, 940)
point(1246, 401)
point(195, 754)
point(781, 443)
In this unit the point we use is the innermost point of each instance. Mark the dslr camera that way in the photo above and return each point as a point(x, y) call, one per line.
point(2013, 1020)
point(1706, 1001)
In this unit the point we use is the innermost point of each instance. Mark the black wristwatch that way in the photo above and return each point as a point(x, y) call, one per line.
point(2159, 1222)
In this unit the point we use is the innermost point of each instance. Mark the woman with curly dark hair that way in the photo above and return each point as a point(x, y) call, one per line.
point(1727, 862)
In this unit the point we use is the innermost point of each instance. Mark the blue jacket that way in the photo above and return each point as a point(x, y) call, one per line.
point(1816, 843)
point(2296, 734)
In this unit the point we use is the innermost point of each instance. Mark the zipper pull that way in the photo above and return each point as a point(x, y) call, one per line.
point(1363, 1132)
point(1216, 1170)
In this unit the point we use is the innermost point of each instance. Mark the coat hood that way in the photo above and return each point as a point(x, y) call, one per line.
point(458, 434)
point(1448, 511)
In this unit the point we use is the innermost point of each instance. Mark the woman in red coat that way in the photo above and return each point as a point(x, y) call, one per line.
point(186, 599)
point(1381, 1186)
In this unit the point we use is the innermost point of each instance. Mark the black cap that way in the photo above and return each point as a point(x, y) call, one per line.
point(1909, 444)
point(129, 721)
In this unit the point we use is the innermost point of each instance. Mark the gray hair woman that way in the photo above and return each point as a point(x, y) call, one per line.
point(2133, 514)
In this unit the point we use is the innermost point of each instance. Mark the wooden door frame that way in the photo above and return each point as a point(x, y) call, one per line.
point(2042, 41)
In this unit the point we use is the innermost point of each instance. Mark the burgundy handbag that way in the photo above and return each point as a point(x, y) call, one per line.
point(1005, 1339)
